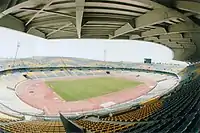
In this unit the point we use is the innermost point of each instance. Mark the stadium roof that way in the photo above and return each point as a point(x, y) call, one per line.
point(173, 23)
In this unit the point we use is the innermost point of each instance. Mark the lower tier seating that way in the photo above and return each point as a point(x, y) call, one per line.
point(136, 115)
point(100, 127)
point(7, 120)
point(34, 127)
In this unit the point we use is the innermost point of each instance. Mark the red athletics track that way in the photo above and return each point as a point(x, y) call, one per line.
point(37, 94)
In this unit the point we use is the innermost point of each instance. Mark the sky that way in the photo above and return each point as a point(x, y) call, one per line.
point(116, 50)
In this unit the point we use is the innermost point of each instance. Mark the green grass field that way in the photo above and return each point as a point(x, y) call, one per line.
point(79, 89)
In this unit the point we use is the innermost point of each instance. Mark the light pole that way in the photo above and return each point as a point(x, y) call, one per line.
point(105, 58)
point(18, 46)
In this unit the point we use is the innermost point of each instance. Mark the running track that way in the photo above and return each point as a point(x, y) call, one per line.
point(38, 95)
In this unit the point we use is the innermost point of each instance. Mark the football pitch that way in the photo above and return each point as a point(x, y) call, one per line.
point(79, 89)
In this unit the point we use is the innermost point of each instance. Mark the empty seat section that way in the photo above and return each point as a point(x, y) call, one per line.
point(99, 127)
point(138, 114)
point(34, 127)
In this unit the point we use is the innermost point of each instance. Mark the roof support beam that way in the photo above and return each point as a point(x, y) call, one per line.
point(153, 17)
point(4, 4)
point(36, 32)
point(80, 4)
point(50, 12)
point(41, 10)
point(47, 23)
point(52, 29)
point(11, 22)
point(173, 29)
point(116, 6)
point(124, 28)
point(19, 6)
point(184, 27)
point(13, 3)
point(181, 54)
point(142, 3)
point(64, 26)
point(190, 6)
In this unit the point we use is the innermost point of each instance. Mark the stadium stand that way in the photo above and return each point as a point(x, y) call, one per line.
point(9, 101)
point(102, 126)
point(172, 106)
point(138, 114)
point(11, 80)
point(60, 73)
point(4, 118)
point(49, 74)
point(178, 112)
point(34, 126)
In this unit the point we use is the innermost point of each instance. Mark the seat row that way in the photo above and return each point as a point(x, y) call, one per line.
point(33, 127)
point(136, 115)
point(102, 127)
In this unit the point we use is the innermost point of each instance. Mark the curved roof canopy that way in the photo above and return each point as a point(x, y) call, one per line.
point(173, 23)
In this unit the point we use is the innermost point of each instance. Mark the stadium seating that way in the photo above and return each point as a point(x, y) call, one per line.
point(77, 73)
point(6, 117)
point(60, 73)
point(99, 72)
point(175, 110)
point(49, 74)
point(6, 120)
point(180, 112)
point(103, 126)
point(34, 127)
point(11, 80)
point(138, 114)
point(36, 75)
point(69, 61)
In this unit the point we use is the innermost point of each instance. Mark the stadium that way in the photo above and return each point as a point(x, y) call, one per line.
point(67, 94)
